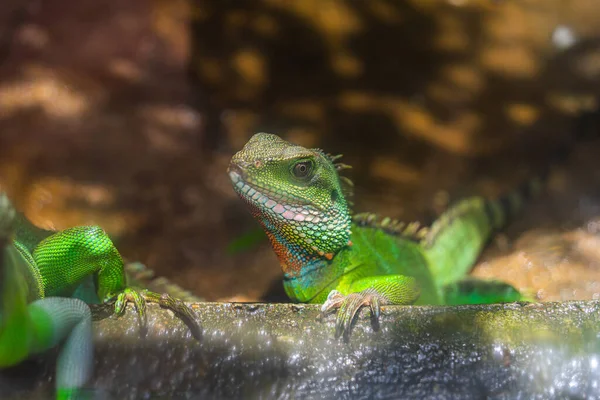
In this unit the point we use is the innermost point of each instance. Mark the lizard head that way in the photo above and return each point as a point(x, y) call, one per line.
point(296, 194)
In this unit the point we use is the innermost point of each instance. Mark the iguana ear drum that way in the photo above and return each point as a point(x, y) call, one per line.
point(334, 195)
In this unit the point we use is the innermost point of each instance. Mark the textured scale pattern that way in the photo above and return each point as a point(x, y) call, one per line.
point(31, 323)
point(323, 233)
point(302, 222)
point(86, 249)
point(328, 257)
point(79, 265)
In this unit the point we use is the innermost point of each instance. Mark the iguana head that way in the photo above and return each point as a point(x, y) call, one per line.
point(296, 195)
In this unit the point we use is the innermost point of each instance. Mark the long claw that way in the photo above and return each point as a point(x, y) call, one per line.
point(348, 307)
point(139, 299)
point(120, 303)
point(140, 307)
point(347, 313)
point(375, 307)
point(130, 295)
point(182, 310)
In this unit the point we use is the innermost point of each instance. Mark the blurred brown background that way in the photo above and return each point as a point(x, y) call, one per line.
point(125, 114)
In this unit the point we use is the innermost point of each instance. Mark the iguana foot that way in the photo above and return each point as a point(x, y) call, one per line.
point(348, 306)
point(139, 299)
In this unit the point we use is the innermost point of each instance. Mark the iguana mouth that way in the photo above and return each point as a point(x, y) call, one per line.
point(265, 200)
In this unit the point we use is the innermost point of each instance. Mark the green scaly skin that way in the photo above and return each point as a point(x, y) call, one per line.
point(47, 280)
point(346, 262)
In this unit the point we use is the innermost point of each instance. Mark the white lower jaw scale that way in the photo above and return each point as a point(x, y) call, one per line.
point(235, 177)
point(258, 198)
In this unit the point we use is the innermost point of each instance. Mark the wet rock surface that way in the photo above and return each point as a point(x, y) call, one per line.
point(548, 350)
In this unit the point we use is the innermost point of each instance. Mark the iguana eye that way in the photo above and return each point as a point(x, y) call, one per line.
point(302, 169)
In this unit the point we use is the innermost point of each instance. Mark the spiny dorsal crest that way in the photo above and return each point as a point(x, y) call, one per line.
point(447, 218)
point(411, 230)
point(347, 184)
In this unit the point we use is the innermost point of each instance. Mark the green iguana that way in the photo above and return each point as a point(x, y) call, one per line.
point(47, 279)
point(347, 262)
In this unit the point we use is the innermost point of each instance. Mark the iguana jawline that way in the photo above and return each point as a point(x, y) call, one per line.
point(270, 212)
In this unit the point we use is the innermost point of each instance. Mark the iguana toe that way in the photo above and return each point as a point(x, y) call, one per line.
point(348, 307)
point(333, 302)
point(130, 295)
point(180, 308)
point(139, 298)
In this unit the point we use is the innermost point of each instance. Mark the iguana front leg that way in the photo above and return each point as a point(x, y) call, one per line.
point(66, 258)
point(373, 292)
point(29, 328)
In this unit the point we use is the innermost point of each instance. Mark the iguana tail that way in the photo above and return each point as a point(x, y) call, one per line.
point(456, 238)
